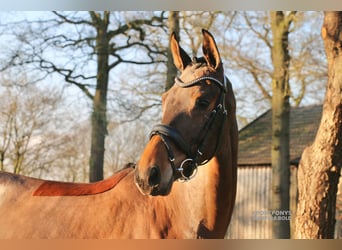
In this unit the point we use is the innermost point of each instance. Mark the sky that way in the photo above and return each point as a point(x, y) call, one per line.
point(239, 79)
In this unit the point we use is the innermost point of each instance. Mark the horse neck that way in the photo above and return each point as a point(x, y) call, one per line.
point(221, 188)
point(210, 195)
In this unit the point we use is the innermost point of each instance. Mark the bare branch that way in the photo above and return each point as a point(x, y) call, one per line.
point(263, 36)
point(65, 19)
point(68, 77)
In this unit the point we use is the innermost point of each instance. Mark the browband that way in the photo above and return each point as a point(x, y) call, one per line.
point(182, 84)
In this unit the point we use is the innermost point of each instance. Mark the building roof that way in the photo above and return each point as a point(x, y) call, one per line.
point(255, 138)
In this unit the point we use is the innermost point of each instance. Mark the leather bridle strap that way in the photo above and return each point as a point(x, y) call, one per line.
point(182, 84)
point(207, 127)
point(166, 131)
point(163, 129)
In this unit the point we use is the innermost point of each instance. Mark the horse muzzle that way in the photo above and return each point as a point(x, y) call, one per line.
point(150, 182)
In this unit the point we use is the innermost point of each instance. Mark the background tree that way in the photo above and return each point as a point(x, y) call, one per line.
point(320, 166)
point(29, 127)
point(173, 26)
point(101, 40)
point(280, 25)
point(247, 50)
point(192, 23)
point(265, 50)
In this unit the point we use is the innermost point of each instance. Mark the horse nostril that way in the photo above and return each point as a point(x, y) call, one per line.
point(154, 178)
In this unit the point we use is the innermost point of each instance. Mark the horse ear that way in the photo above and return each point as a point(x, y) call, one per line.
point(210, 51)
point(180, 57)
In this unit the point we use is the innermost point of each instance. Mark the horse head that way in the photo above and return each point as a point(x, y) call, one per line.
point(193, 115)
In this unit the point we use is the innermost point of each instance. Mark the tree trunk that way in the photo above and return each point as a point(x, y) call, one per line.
point(99, 119)
point(320, 166)
point(280, 123)
point(173, 23)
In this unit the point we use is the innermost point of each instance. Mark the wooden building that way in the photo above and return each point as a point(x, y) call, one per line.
point(249, 219)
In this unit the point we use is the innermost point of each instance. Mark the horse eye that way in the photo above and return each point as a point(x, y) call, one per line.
point(202, 103)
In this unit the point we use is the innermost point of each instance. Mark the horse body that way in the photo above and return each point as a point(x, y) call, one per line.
point(25, 215)
point(147, 202)
point(113, 214)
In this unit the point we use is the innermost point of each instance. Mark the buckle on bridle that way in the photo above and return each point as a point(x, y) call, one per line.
point(185, 178)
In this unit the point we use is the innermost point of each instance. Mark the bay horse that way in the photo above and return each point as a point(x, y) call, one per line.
point(183, 186)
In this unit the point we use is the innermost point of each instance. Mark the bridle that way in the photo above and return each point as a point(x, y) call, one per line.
point(167, 132)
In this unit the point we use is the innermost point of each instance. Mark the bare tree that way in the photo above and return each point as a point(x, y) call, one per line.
point(280, 25)
point(28, 129)
point(92, 40)
point(173, 26)
point(248, 49)
point(71, 159)
point(125, 144)
point(320, 166)
point(192, 22)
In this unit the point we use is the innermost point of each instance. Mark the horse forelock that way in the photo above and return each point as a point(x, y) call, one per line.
point(55, 188)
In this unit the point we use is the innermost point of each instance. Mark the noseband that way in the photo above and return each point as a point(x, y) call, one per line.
point(167, 132)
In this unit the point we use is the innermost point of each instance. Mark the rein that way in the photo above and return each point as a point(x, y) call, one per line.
point(167, 132)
